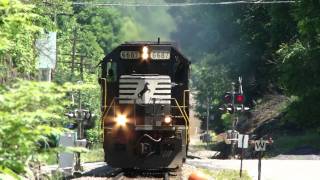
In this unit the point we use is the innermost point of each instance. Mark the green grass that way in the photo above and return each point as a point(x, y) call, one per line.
point(48, 157)
point(203, 145)
point(95, 154)
point(226, 174)
point(287, 143)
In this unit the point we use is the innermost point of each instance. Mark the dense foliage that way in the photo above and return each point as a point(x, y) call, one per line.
point(27, 119)
point(300, 66)
point(17, 33)
point(275, 48)
point(31, 112)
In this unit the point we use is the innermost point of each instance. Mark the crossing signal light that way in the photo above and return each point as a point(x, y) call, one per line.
point(227, 108)
point(230, 108)
point(239, 98)
point(228, 97)
point(223, 109)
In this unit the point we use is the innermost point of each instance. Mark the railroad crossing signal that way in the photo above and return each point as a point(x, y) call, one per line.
point(80, 114)
point(228, 97)
point(83, 116)
point(239, 98)
point(227, 108)
point(234, 101)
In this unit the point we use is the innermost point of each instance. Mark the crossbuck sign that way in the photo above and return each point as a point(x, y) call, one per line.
point(260, 145)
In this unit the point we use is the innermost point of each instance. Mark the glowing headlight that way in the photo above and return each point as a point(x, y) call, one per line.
point(167, 119)
point(121, 120)
point(145, 53)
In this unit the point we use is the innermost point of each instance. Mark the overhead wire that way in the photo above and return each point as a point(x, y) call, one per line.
point(182, 4)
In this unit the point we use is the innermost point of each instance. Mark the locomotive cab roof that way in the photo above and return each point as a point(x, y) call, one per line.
point(136, 46)
point(169, 43)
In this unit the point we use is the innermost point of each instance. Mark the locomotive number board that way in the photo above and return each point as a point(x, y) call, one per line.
point(130, 55)
point(161, 55)
point(155, 55)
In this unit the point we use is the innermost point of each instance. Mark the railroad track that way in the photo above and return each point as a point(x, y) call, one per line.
point(107, 172)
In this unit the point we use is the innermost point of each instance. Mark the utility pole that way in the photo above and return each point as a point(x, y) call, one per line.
point(234, 119)
point(208, 114)
point(79, 133)
point(233, 109)
point(73, 59)
point(81, 67)
point(207, 136)
point(81, 64)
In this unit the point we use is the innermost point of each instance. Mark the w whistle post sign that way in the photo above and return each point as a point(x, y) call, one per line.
point(260, 145)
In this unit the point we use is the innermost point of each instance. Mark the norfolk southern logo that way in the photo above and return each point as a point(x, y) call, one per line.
point(144, 90)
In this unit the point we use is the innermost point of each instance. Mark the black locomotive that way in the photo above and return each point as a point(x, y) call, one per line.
point(145, 106)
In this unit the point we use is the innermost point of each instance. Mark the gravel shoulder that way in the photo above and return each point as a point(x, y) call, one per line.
point(271, 169)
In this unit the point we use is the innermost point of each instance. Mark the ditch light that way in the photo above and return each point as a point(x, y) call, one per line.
point(121, 120)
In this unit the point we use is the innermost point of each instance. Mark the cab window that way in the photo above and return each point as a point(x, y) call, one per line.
point(111, 71)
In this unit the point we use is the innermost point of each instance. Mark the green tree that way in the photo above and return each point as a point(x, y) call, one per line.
point(300, 66)
point(17, 32)
point(25, 120)
point(21, 23)
point(242, 38)
point(209, 85)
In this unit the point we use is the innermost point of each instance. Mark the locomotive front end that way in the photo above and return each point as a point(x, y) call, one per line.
point(145, 106)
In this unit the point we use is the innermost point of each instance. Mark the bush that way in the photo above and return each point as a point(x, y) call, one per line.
point(30, 112)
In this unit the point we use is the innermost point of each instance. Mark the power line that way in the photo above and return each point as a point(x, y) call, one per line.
point(183, 4)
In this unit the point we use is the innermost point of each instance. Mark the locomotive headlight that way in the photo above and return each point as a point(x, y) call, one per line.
point(121, 120)
point(167, 120)
point(145, 53)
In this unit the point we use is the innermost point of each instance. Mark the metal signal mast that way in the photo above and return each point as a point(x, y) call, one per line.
point(234, 104)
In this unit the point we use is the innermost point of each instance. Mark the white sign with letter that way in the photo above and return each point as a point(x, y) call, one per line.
point(260, 145)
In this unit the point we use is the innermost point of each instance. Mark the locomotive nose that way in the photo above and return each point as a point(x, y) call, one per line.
point(144, 89)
